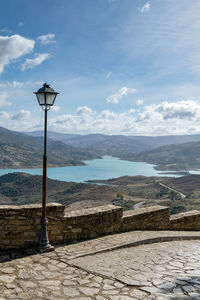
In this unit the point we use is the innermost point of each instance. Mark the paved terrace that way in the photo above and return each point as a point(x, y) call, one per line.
point(132, 265)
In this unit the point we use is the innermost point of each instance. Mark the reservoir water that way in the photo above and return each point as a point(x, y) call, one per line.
point(105, 168)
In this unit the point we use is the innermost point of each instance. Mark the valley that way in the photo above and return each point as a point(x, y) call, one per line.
point(126, 191)
point(19, 150)
point(168, 153)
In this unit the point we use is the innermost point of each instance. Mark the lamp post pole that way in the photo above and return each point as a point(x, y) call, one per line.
point(43, 241)
point(46, 97)
point(44, 183)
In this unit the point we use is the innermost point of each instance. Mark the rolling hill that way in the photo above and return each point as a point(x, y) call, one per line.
point(18, 150)
point(117, 145)
point(21, 188)
point(126, 191)
point(179, 157)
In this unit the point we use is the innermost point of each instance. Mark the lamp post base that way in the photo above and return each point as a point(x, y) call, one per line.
point(43, 241)
point(42, 250)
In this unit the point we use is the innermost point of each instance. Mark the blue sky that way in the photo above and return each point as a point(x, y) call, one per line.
point(120, 66)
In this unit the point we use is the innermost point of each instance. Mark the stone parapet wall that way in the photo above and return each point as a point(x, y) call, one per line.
point(189, 220)
point(150, 218)
point(92, 222)
point(20, 225)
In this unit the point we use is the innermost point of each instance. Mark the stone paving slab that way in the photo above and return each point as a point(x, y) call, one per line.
point(158, 271)
point(122, 240)
point(40, 277)
point(170, 269)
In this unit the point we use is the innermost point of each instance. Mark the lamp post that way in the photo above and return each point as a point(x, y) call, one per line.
point(46, 97)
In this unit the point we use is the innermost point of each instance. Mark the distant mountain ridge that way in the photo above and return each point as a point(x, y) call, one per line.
point(18, 150)
point(118, 145)
point(179, 157)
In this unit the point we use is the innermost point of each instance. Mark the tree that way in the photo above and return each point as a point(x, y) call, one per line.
point(120, 195)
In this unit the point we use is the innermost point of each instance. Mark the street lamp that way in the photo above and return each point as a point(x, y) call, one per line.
point(46, 97)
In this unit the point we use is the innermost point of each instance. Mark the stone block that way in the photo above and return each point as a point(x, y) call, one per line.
point(30, 234)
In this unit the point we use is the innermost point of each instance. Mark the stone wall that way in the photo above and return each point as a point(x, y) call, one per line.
point(20, 225)
point(150, 218)
point(189, 220)
point(92, 222)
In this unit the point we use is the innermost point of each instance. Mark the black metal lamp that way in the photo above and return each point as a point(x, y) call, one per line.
point(46, 97)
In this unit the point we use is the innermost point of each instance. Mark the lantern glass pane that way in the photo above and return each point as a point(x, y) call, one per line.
point(50, 98)
point(41, 98)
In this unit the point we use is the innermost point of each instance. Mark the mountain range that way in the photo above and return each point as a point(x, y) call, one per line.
point(25, 150)
point(179, 152)
point(117, 145)
point(178, 157)
point(18, 150)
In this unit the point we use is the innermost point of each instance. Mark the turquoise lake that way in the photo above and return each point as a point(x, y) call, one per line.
point(106, 168)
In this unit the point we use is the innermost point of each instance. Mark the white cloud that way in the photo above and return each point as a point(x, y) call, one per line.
point(131, 111)
point(46, 39)
point(108, 74)
point(103, 122)
point(5, 30)
point(124, 91)
point(55, 108)
point(19, 121)
point(83, 110)
point(20, 24)
point(4, 115)
point(139, 102)
point(17, 84)
point(150, 42)
point(170, 118)
point(166, 118)
point(107, 114)
point(12, 47)
point(3, 99)
point(30, 63)
point(21, 115)
point(39, 83)
point(20, 84)
point(66, 122)
point(185, 109)
point(145, 8)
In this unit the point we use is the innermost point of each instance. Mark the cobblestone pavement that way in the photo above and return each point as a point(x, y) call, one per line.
point(121, 240)
point(41, 277)
point(169, 270)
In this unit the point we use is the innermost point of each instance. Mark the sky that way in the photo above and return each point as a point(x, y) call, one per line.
point(128, 67)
